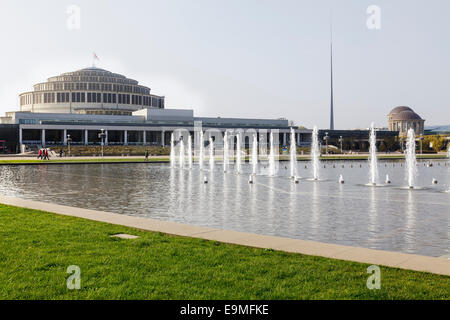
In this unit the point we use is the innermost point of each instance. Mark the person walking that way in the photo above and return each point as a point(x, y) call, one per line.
point(39, 154)
point(146, 155)
point(46, 154)
point(60, 153)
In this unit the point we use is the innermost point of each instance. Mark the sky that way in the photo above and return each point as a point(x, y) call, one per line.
point(243, 58)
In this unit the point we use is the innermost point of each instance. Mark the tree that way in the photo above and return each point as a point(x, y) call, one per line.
point(438, 143)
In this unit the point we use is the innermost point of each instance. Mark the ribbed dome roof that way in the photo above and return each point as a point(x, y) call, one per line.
point(406, 115)
point(397, 110)
point(108, 76)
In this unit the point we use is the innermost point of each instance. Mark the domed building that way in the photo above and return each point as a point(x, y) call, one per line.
point(403, 118)
point(93, 106)
point(89, 91)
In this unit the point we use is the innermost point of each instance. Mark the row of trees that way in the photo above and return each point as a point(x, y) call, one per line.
point(432, 143)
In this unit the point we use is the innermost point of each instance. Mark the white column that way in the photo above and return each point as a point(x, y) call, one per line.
point(163, 134)
point(125, 137)
point(20, 136)
point(43, 137)
point(86, 136)
point(106, 137)
point(284, 139)
point(65, 137)
point(144, 138)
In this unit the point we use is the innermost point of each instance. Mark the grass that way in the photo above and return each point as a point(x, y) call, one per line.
point(37, 247)
point(75, 160)
point(151, 159)
point(113, 150)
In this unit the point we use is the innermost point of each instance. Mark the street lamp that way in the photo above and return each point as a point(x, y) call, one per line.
point(102, 136)
point(326, 141)
point(69, 139)
point(340, 141)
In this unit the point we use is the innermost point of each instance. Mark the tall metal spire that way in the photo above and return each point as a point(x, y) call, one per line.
point(331, 76)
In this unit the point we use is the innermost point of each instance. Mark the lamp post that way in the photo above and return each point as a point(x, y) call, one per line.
point(326, 141)
point(69, 139)
point(340, 141)
point(102, 136)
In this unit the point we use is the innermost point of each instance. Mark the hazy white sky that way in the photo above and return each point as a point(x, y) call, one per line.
point(243, 58)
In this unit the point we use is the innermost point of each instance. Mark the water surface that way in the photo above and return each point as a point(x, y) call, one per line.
point(385, 217)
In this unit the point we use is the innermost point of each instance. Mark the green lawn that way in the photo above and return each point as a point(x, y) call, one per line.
point(37, 247)
point(137, 160)
point(75, 160)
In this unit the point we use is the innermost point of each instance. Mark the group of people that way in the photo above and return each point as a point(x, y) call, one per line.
point(43, 154)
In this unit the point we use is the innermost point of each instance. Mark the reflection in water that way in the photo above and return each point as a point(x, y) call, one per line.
point(388, 218)
point(372, 210)
point(410, 221)
point(293, 209)
point(315, 204)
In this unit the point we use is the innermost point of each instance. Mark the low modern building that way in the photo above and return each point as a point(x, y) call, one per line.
point(77, 106)
point(403, 118)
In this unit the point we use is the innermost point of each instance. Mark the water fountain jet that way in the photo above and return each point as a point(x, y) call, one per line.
point(272, 156)
point(293, 155)
point(238, 154)
point(200, 157)
point(411, 161)
point(190, 152)
point(211, 154)
point(181, 157)
point(373, 156)
point(172, 151)
point(315, 153)
point(254, 159)
point(387, 181)
point(226, 152)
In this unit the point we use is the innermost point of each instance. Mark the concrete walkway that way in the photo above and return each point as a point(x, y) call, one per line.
point(377, 257)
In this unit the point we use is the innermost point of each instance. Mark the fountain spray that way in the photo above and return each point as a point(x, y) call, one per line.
point(226, 152)
point(315, 153)
point(211, 154)
point(411, 162)
point(272, 156)
point(238, 153)
point(181, 153)
point(200, 157)
point(293, 153)
point(190, 152)
point(172, 151)
point(373, 156)
point(254, 154)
